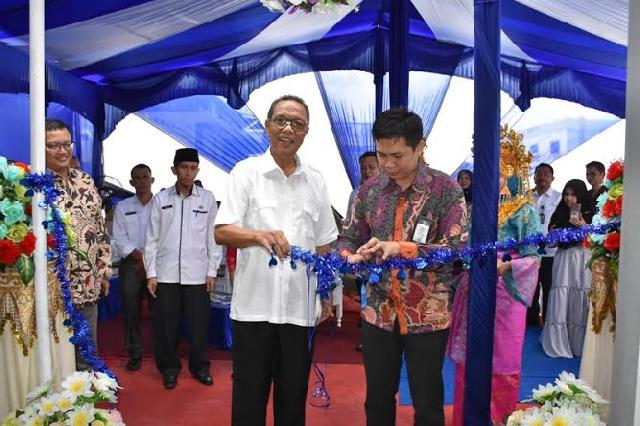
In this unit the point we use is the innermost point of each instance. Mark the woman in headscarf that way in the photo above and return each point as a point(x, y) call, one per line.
point(517, 278)
point(465, 180)
point(564, 328)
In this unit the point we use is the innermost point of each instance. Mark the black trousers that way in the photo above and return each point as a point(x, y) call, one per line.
point(382, 363)
point(132, 290)
point(544, 283)
point(264, 353)
point(173, 299)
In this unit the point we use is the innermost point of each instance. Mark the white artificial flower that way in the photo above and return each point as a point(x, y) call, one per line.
point(104, 383)
point(64, 403)
point(47, 407)
point(33, 421)
point(81, 416)
point(77, 384)
point(273, 5)
point(40, 391)
point(543, 392)
point(296, 2)
point(515, 418)
point(533, 418)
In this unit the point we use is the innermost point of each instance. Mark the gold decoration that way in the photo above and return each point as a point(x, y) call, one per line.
point(604, 286)
point(515, 160)
point(17, 307)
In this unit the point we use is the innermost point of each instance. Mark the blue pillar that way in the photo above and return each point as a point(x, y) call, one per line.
point(398, 58)
point(482, 299)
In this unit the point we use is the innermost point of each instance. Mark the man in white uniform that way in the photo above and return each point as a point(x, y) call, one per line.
point(181, 259)
point(129, 228)
point(272, 202)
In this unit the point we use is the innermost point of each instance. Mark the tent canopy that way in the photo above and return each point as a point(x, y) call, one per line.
point(110, 58)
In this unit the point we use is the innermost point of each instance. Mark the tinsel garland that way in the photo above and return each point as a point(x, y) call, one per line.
point(329, 267)
point(76, 321)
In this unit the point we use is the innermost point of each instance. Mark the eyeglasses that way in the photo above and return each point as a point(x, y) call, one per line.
point(59, 146)
point(296, 125)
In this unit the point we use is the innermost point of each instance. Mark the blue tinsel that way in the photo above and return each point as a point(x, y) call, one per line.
point(330, 266)
point(81, 332)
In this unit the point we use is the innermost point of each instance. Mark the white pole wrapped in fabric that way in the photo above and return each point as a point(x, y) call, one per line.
point(625, 394)
point(37, 135)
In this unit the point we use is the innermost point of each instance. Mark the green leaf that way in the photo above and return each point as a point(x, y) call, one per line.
point(26, 268)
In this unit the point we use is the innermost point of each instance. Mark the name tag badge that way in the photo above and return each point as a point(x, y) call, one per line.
point(420, 232)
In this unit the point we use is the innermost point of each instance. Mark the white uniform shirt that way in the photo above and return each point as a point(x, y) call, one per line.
point(546, 205)
point(179, 245)
point(130, 225)
point(260, 196)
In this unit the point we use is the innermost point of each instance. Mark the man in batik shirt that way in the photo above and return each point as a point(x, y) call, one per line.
point(406, 211)
point(89, 262)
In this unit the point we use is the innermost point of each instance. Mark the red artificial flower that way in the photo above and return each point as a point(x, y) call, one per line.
point(9, 252)
point(23, 165)
point(612, 242)
point(28, 244)
point(51, 242)
point(586, 243)
point(619, 206)
point(27, 209)
point(609, 209)
point(615, 170)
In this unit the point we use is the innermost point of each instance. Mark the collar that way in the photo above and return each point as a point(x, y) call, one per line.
point(420, 183)
point(268, 166)
point(195, 191)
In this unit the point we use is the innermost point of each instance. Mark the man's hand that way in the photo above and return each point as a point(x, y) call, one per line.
point(152, 285)
point(383, 249)
point(327, 310)
point(104, 287)
point(274, 242)
point(211, 283)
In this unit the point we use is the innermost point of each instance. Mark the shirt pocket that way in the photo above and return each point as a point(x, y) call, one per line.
point(310, 219)
point(265, 214)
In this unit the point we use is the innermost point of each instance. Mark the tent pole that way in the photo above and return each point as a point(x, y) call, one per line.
point(482, 292)
point(625, 397)
point(398, 59)
point(38, 165)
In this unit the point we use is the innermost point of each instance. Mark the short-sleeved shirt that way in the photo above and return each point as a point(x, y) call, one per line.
point(260, 196)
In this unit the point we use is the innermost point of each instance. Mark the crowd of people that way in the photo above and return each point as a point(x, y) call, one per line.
point(171, 244)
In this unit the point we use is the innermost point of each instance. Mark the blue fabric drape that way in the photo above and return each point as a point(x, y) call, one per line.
point(221, 134)
point(482, 292)
point(349, 98)
point(350, 101)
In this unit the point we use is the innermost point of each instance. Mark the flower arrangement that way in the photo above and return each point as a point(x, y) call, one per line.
point(609, 209)
point(317, 6)
point(75, 405)
point(570, 401)
point(17, 241)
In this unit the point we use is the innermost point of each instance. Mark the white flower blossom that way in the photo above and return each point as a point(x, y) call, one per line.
point(81, 416)
point(47, 407)
point(40, 391)
point(543, 392)
point(77, 384)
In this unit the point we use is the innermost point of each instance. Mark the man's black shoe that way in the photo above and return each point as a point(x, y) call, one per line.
point(134, 364)
point(170, 381)
point(204, 378)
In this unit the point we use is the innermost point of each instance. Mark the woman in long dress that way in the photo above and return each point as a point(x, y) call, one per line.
point(516, 284)
point(565, 325)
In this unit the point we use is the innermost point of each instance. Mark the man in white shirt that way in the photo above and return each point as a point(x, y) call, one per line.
point(274, 201)
point(546, 200)
point(129, 228)
point(181, 259)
